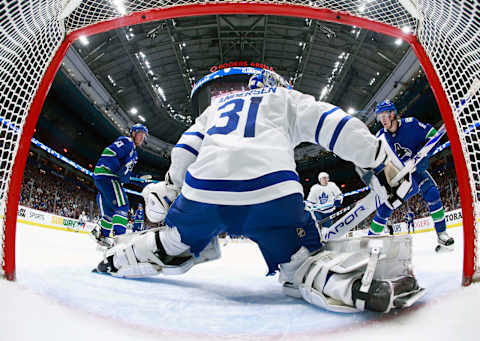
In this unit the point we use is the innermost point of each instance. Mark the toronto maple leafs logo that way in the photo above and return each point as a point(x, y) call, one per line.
point(402, 152)
point(323, 198)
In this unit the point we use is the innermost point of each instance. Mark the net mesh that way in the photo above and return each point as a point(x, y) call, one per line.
point(31, 32)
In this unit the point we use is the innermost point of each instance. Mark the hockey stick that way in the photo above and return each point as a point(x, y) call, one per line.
point(311, 206)
point(357, 213)
point(411, 164)
point(335, 214)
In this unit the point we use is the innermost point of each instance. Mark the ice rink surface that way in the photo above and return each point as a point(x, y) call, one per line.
point(57, 297)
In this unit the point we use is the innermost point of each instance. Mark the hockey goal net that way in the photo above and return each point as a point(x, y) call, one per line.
point(35, 35)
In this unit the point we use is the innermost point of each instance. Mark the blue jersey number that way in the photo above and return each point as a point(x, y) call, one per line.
point(233, 117)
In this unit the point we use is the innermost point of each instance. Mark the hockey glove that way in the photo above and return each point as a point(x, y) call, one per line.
point(158, 199)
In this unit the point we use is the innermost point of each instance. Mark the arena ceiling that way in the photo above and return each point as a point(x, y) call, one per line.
point(149, 69)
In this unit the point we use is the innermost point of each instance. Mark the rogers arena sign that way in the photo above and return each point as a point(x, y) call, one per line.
point(215, 68)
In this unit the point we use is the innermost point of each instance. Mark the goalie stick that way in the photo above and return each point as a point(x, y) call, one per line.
point(335, 214)
point(357, 213)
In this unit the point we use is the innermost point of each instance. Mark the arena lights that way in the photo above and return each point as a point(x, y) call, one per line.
point(161, 93)
point(141, 118)
point(133, 111)
point(118, 4)
point(83, 40)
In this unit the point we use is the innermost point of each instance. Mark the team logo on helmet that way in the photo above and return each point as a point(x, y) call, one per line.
point(139, 127)
point(266, 79)
point(385, 106)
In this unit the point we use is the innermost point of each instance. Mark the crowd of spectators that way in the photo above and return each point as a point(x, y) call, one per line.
point(49, 188)
point(45, 188)
point(447, 184)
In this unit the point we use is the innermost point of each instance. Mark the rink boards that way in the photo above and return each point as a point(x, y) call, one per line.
point(39, 218)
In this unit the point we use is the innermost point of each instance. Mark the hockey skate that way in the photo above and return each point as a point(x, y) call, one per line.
point(102, 241)
point(445, 242)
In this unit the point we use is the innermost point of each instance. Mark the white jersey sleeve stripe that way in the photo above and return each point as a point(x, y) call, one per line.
point(337, 131)
point(195, 133)
point(320, 122)
point(241, 185)
point(187, 147)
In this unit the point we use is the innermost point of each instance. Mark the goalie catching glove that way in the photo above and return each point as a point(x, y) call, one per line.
point(158, 199)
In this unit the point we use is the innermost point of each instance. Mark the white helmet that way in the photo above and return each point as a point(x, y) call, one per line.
point(323, 175)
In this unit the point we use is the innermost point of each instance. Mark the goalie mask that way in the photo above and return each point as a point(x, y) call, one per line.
point(267, 78)
point(229, 81)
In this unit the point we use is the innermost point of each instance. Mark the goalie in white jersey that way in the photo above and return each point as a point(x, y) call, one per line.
point(234, 171)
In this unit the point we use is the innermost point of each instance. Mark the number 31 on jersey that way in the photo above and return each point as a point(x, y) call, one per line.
point(231, 110)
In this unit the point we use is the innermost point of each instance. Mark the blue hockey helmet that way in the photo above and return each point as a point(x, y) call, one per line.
point(267, 78)
point(140, 206)
point(139, 127)
point(386, 105)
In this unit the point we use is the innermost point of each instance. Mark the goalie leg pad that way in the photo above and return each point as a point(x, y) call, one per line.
point(372, 273)
point(142, 257)
point(145, 255)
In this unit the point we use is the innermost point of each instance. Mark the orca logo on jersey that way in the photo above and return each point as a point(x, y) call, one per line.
point(345, 222)
point(402, 152)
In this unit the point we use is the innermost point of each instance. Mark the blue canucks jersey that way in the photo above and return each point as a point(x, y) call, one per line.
point(139, 217)
point(117, 160)
point(409, 217)
point(409, 138)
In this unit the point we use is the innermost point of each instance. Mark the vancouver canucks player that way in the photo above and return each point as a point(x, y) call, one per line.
point(234, 171)
point(405, 137)
point(139, 218)
point(114, 169)
point(409, 216)
point(325, 192)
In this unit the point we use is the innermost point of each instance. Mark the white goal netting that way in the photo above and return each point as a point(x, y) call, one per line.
point(32, 32)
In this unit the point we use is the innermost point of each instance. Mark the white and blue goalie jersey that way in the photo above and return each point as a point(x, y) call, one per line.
point(240, 150)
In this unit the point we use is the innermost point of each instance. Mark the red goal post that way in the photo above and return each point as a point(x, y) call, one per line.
point(36, 34)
